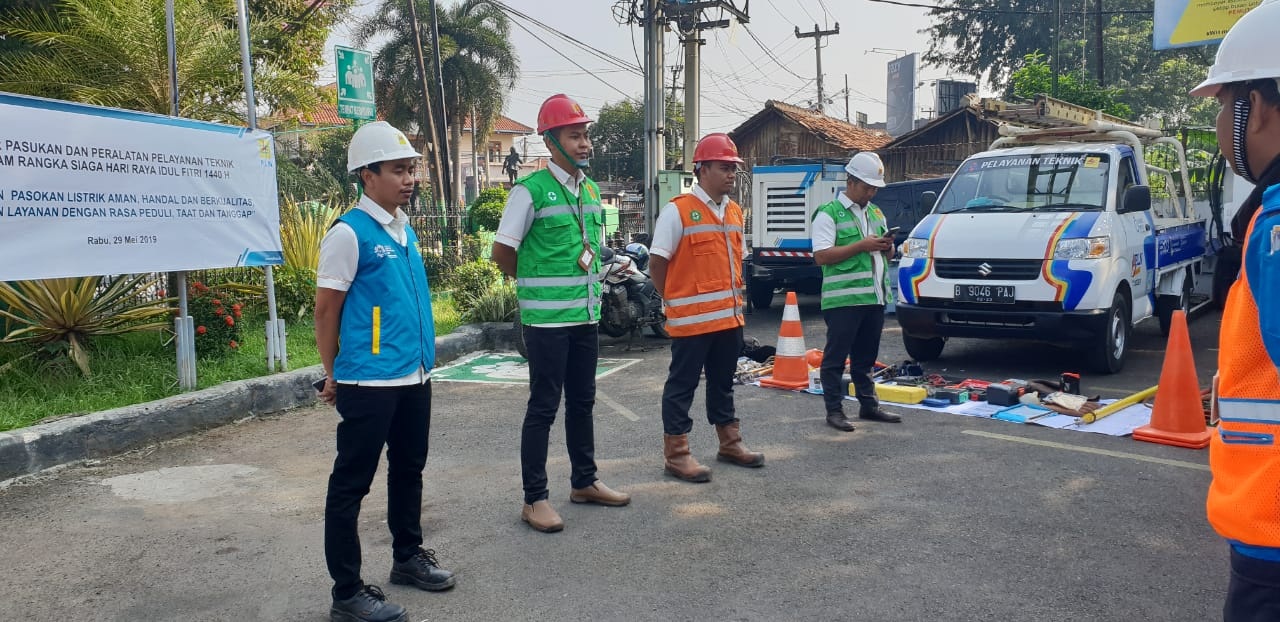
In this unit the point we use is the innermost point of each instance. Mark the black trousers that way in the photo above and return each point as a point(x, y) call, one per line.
point(400, 418)
point(1254, 592)
point(852, 332)
point(716, 354)
point(562, 360)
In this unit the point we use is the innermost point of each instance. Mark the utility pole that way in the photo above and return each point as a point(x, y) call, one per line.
point(817, 36)
point(428, 122)
point(1097, 42)
point(692, 93)
point(654, 107)
point(846, 98)
point(675, 80)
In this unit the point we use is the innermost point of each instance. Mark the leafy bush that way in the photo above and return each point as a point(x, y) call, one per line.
point(216, 315)
point(472, 280)
point(68, 312)
point(474, 247)
point(295, 291)
point(302, 226)
point(486, 211)
point(446, 315)
point(436, 267)
point(497, 304)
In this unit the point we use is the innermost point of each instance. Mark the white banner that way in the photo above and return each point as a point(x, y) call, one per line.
point(94, 191)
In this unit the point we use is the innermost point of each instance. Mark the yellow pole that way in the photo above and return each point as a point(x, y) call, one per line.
point(1119, 405)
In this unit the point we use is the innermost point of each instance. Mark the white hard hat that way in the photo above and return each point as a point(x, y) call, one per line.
point(377, 142)
point(1250, 51)
point(867, 167)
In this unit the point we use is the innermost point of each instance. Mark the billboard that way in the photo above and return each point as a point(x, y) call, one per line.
point(1188, 23)
point(950, 95)
point(90, 191)
point(900, 99)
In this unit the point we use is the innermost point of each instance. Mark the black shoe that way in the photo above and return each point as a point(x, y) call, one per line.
point(879, 414)
point(837, 420)
point(368, 605)
point(423, 571)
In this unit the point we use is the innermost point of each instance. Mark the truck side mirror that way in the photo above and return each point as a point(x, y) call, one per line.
point(1136, 199)
point(927, 199)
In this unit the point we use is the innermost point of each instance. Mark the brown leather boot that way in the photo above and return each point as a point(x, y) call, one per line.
point(679, 462)
point(733, 450)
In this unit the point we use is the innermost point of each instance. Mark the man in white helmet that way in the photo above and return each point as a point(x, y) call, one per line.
point(852, 243)
point(1244, 499)
point(376, 339)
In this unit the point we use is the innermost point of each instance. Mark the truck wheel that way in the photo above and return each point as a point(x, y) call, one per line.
point(1113, 344)
point(923, 349)
point(1166, 305)
point(761, 294)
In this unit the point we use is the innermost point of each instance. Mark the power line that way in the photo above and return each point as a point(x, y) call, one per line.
point(566, 57)
point(957, 9)
point(770, 53)
point(601, 54)
point(806, 10)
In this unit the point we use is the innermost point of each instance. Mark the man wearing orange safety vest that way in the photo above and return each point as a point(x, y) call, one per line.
point(1244, 498)
point(698, 242)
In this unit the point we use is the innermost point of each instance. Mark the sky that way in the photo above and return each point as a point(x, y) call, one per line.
point(737, 75)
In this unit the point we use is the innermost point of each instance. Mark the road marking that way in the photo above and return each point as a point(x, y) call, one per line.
point(618, 408)
point(1090, 450)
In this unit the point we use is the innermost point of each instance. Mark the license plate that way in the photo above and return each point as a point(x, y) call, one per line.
point(996, 294)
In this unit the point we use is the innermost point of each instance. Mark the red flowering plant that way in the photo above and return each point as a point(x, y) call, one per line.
point(216, 315)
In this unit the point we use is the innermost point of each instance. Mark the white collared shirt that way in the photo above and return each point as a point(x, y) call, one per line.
point(517, 216)
point(669, 229)
point(340, 258)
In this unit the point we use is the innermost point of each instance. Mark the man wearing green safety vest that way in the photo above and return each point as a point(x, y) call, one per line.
point(853, 246)
point(549, 240)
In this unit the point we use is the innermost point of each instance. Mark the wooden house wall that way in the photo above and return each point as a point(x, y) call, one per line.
point(939, 150)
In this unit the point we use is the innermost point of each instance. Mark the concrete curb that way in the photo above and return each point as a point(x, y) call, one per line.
point(98, 435)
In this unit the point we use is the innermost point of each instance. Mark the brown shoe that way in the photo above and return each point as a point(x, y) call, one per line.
point(732, 448)
point(679, 462)
point(541, 516)
point(597, 492)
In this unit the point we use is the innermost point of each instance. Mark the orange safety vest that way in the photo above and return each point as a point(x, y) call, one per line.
point(1244, 498)
point(704, 275)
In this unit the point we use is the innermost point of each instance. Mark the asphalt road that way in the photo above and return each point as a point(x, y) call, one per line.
point(939, 518)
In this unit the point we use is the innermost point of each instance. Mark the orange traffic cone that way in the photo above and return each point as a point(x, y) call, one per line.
point(1178, 416)
point(790, 371)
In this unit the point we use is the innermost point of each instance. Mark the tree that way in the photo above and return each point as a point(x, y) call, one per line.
point(478, 64)
point(1035, 78)
point(992, 37)
point(618, 138)
point(113, 53)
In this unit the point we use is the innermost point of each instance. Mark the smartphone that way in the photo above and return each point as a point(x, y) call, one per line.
point(319, 385)
point(892, 232)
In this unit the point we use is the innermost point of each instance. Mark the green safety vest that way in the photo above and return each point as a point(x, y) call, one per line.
point(853, 281)
point(550, 285)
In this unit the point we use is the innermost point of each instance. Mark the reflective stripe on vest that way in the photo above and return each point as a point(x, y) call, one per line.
point(1243, 503)
point(853, 281)
point(550, 285)
point(704, 274)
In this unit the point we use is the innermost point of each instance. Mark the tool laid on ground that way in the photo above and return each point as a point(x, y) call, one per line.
point(1118, 405)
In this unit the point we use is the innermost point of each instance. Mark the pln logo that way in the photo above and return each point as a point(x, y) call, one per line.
point(384, 252)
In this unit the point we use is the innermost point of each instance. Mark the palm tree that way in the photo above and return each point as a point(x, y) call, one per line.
point(478, 64)
point(114, 53)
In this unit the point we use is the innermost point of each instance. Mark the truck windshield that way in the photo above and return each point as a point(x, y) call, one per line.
point(1041, 182)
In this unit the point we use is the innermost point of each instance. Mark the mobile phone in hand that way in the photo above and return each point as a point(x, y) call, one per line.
point(892, 232)
point(319, 385)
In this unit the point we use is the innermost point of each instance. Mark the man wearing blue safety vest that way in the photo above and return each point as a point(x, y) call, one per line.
point(549, 240)
point(376, 339)
point(853, 246)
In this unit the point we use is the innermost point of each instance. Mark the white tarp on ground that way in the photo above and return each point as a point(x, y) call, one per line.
point(86, 191)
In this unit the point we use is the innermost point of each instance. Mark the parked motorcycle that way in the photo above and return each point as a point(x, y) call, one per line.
point(629, 301)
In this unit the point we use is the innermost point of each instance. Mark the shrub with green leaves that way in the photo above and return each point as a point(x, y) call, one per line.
point(471, 280)
point(216, 315)
point(497, 304)
point(486, 211)
point(295, 291)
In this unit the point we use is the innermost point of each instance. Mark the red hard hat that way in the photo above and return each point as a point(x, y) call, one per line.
point(717, 147)
point(559, 111)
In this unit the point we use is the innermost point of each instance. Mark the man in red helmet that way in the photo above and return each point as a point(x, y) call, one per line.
point(698, 241)
point(549, 241)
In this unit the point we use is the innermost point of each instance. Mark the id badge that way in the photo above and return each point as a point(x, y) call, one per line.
point(587, 257)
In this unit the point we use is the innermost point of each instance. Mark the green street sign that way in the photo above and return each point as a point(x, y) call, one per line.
point(355, 84)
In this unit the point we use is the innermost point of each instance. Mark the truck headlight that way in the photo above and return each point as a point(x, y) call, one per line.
point(1083, 248)
point(915, 248)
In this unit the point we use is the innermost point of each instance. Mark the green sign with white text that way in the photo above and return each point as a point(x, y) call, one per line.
point(355, 84)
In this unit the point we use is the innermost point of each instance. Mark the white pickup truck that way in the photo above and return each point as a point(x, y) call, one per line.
point(1058, 234)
